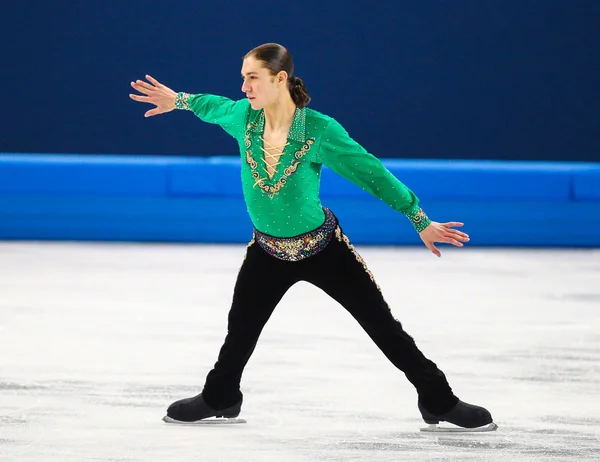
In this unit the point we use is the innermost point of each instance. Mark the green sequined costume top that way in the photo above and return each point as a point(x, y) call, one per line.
point(288, 204)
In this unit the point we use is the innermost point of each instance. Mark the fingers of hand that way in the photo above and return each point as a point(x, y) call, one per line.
point(453, 239)
point(464, 237)
point(452, 223)
point(443, 230)
point(141, 99)
point(153, 80)
point(433, 248)
point(153, 112)
point(143, 87)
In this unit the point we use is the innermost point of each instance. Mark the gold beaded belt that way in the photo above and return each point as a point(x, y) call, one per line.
point(299, 247)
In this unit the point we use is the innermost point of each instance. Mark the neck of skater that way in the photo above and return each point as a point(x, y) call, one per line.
point(280, 114)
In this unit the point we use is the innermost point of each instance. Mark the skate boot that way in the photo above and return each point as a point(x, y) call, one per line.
point(467, 418)
point(195, 411)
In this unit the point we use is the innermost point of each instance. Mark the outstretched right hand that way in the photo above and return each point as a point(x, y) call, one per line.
point(158, 94)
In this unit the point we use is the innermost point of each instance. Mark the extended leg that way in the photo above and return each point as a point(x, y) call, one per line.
point(342, 274)
point(262, 281)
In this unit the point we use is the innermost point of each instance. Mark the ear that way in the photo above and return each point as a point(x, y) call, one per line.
point(281, 77)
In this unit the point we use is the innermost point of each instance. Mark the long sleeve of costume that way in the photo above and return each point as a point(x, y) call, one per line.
point(230, 115)
point(346, 157)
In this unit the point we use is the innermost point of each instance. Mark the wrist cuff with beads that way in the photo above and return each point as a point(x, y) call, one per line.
point(419, 220)
point(181, 101)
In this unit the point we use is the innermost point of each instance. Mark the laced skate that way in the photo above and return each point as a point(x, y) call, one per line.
point(468, 418)
point(195, 411)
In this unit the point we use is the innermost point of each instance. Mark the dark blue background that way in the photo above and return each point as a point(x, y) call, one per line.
point(481, 79)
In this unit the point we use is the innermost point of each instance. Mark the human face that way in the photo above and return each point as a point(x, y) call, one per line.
point(259, 85)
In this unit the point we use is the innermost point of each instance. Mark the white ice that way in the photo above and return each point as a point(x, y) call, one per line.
point(97, 339)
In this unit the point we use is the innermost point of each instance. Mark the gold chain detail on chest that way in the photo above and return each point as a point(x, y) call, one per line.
point(287, 172)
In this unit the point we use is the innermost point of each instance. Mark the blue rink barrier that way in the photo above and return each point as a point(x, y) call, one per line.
point(180, 199)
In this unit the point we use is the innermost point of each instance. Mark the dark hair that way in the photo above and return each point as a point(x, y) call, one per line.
point(276, 59)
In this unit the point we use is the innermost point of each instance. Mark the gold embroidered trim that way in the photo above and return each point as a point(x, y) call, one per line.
point(343, 238)
point(287, 172)
point(299, 247)
point(252, 241)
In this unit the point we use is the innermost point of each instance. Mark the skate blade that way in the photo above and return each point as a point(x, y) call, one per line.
point(209, 421)
point(433, 428)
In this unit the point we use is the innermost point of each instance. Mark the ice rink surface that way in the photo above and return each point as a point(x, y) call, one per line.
point(97, 339)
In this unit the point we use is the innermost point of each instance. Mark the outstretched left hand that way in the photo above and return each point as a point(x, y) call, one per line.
point(442, 232)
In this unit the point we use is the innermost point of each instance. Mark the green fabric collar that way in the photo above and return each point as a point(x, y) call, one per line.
point(297, 130)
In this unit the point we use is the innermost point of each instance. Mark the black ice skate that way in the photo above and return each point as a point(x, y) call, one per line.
point(194, 411)
point(466, 417)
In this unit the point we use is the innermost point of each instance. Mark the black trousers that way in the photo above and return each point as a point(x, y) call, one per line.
point(341, 273)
